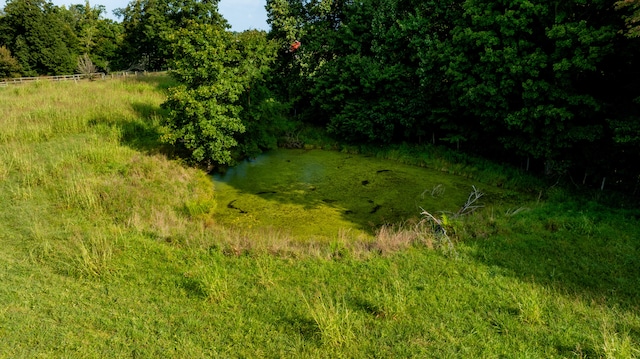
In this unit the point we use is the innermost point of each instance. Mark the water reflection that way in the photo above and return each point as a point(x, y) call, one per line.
point(239, 171)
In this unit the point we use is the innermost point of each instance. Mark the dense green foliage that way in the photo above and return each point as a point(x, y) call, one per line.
point(47, 39)
point(515, 80)
point(148, 25)
point(632, 18)
point(97, 37)
point(203, 113)
point(9, 65)
point(214, 102)
point(108, 248)
point(37, 37)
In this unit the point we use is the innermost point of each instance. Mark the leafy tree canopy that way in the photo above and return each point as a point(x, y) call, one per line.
point(632, 17)
point(149, 23)
point(217, 70)
point(35, 33)
point(9, 66)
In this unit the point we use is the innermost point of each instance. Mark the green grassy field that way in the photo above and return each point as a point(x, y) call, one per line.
point(109, 248)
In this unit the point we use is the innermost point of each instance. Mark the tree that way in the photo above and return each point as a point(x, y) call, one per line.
point(148, 24)
point(106, 52)
point(216, 70)
point(34, 32)
point(86, 66)
point(9, 66)
point(370, 86)
point(632, 7)
point(98, 37)
point(262, 114)
point(552, 81)
point(358, 70)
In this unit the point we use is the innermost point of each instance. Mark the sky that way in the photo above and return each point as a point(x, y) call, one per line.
point(241, 14)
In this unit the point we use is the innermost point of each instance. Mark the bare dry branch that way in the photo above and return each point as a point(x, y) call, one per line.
point(86, 66)
point(471, 205)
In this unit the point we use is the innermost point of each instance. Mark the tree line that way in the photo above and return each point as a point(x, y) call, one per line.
point(552, 86)
point(39, 38)
point(549, 85)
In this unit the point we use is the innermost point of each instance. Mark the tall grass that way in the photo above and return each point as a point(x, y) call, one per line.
point(332, 316)
point(64, 154)
point(109, 247)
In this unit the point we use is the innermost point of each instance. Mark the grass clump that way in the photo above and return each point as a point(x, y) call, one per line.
point(332, 318)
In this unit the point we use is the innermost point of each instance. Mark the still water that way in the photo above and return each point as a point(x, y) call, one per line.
point(316, 194)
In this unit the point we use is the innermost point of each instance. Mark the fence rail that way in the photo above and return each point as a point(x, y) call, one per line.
point(77, 77)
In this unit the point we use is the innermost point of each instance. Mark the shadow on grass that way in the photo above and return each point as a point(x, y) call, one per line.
point(141, 133)
point(162, 80)
point(306, 328)
point(593, 252)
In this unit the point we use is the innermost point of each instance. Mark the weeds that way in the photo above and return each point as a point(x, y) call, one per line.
point(440, 225)
point(393, 238)
point(531, 309)
point(616, 345)
point(92, 255)
point(332, 318)
point(209, 282)
point(394, 298)
point(514, 211)
point(439, 228)
point(291, 140)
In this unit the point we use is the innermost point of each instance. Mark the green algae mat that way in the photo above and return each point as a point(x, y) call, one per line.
point(316, 194)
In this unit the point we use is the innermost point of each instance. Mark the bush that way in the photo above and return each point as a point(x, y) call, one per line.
point(9, 66)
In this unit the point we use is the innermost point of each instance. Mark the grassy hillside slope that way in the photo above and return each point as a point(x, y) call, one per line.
point(108, 248)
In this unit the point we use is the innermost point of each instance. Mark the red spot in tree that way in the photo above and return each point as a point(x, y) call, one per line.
point(295, 46)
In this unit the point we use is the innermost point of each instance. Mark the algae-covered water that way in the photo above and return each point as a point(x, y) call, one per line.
point(316, 194)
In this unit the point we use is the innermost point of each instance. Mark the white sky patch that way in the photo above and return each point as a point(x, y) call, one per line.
point(245, 14)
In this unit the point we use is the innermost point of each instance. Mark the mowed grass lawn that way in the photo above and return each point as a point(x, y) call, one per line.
point(109, 248)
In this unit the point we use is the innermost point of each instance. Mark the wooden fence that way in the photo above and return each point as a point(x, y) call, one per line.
point(77, 77)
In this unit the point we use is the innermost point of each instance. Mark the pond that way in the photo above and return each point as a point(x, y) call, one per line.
point(316, 194)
